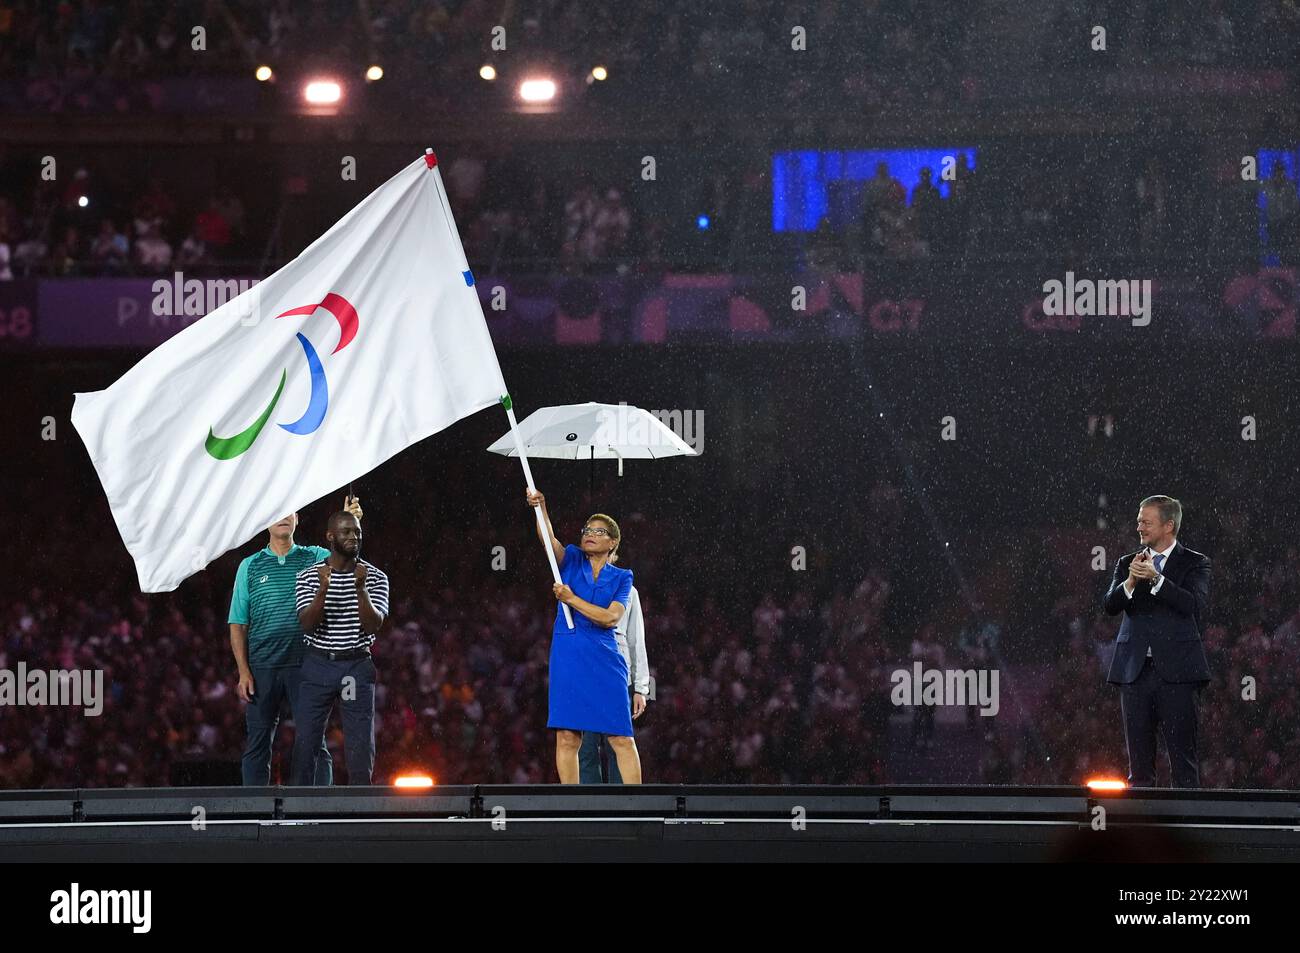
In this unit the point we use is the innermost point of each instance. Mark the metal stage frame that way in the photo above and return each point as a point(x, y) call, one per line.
point(649, 823)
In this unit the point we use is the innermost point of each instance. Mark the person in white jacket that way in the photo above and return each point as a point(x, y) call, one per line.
point(630, 633)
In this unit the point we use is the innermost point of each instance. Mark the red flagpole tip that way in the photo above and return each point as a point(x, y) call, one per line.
point(429, 158)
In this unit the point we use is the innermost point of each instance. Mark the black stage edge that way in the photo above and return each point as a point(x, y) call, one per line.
point(649, 823)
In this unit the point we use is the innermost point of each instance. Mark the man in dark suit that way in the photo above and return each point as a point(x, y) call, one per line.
point(1159, 663)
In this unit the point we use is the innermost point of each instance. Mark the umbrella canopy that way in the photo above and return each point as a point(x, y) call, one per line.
point(594, 431)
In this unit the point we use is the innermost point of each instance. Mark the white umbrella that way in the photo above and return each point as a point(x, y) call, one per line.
point(588, 431)
point(594, 431)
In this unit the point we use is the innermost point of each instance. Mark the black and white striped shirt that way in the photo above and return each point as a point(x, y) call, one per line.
point(340, 627)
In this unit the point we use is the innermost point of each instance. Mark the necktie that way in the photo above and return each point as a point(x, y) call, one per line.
point(1159, 561)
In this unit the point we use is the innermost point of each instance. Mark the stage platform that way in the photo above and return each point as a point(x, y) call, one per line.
point(649, 823)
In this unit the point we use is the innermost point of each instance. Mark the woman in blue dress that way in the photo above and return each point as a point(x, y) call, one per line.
point(588, 690)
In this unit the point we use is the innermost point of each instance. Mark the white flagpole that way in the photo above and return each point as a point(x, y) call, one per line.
point(431, 161)
point(537, 510)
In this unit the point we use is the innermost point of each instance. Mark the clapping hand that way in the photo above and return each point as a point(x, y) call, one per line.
point(1142, 568)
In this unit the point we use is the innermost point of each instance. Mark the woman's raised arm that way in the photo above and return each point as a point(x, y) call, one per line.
point(547, 536)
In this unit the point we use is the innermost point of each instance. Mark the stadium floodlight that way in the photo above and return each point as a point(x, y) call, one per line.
point(413, 781)
point(375, 73)
point(322, 92)
point(487, 71)
point(1112, 785)
point(599, 73)
point(264, 73)
point(537, 90)
point(82, 201)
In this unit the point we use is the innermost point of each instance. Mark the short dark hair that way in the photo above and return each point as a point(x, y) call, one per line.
point(1169, 509)
point(333, 521)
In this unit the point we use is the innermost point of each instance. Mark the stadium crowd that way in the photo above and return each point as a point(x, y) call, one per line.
point(516, 218)
point(792, 688)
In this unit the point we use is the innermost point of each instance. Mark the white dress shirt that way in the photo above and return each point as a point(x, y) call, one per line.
point(1160, 580)
point(630, 633)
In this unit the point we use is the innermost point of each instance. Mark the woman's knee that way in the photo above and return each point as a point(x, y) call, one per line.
point(568, 740)
point(622, 743)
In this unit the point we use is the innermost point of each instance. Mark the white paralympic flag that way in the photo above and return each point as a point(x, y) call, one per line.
point(370, 340)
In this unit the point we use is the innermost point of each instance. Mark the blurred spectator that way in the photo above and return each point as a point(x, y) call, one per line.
point(193, 252)
point(110, 249)
point(31, 255)
point(579, 214)
point(166, 43)
point(154, 208)
point(66, 254)
point(884, 201)
point(928, 650)
point(229, 207)
point(9, 218)
point(927, 207)
point(1282, 206)
point(212, 228)
point(611, 224)
point(152, 251)
point(129, 56)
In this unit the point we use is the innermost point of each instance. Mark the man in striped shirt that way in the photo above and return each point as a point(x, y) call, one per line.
point(342, 602)
point(267, 643)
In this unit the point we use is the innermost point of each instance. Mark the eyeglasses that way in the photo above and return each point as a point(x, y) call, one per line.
point(594, 531)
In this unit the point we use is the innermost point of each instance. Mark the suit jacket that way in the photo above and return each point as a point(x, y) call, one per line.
point(1170, 622)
